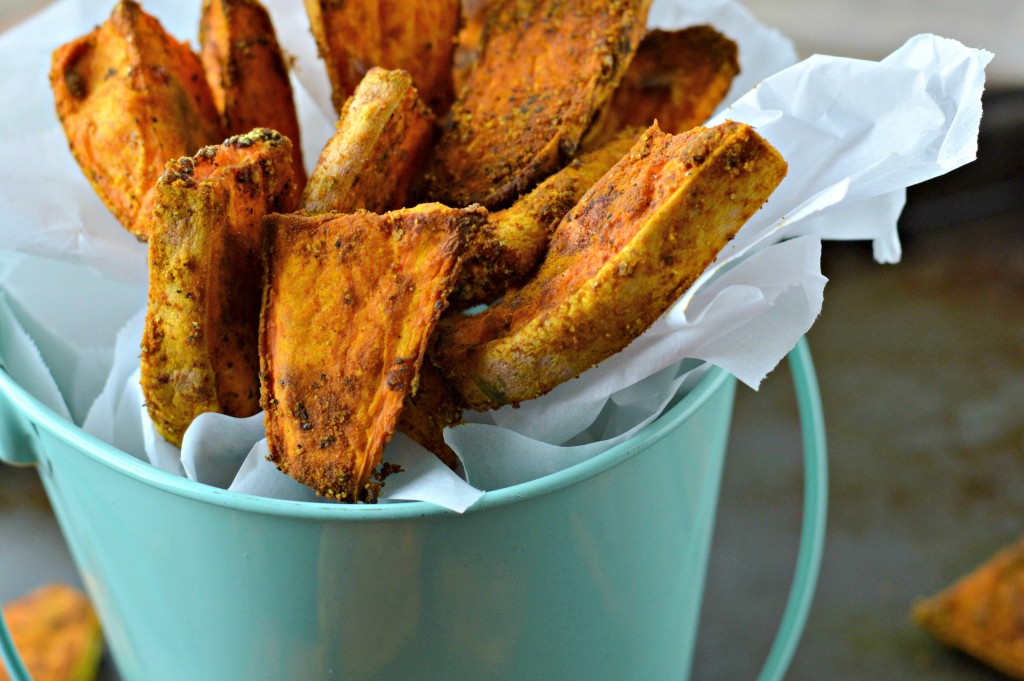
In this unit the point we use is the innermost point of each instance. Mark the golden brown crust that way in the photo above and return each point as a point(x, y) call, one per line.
point(382, 138)
point(247, 72)
point(200, 341)
point(131, 97)
point(634, 243)
point(546, 67)
point(676, 78)
point(414, 35)
point(981, 613)
point(349, 304)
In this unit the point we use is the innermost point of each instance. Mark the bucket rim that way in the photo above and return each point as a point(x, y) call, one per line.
point(40, 415)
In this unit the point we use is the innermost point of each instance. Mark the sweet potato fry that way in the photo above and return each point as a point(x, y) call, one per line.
point(618, 260)
point(247, 72)
point(546, 68)
point(981, 613)
point(131, 97)
point(200, 346)
point(513, 242)
point(382, 139)
point(468, 41)
point(414, 35)
point(676, 78)
point(350, 301)
point(428, 411)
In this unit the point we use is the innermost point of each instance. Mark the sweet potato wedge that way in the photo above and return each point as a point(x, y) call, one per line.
point(247, 72)
point(428, 411)
point(350, 301)
point(676, 78)
point(546, 68)
point(513, 242)
point(382, 138)
point(634, 243)
point(414, 35)
point(131, 97)
point(200, 345)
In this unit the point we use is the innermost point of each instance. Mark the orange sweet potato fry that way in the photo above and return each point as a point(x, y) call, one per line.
point(350, 301)
point(546, 68)
point(200, 345)
point(428, 411)
point(247, 72)
point(382, 138)
point(414, 35)
point(676, 78)
point(131, 97)
point(634, 243)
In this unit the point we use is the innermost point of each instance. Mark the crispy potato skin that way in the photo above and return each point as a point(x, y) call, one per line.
point(200, 344)
point(676, 78)
point(349, 304)
point(247, 72)
point(382, 138)
point(414, 35)
point(131, 97)
point(546, 67)
point(618, 260)
point(514, 240)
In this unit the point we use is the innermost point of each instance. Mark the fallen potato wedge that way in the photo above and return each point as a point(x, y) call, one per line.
point(131, 97)
point(413, 35)
point(982, 613)
point(382, 138)
point(546, 68)
point(514, 240)
point(634, 243)
point(676, 78)
point(247, 72)
point(57, 634)
point(200, 344)
point(350, 301)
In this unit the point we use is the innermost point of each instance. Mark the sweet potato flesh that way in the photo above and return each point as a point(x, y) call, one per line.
point(350, 302)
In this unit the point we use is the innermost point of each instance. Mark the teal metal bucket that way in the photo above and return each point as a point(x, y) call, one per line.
point(595, 573)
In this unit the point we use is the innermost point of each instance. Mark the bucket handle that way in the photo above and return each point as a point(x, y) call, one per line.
point(812, 532)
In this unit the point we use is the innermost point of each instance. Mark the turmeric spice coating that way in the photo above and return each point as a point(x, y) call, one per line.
point(200, 345)
point(349, 304)
point(414, 35)
point(382, 138)
point(247, 72)
point(546, 67)
point(634, 243)
point(676, 78)
point(130, 98)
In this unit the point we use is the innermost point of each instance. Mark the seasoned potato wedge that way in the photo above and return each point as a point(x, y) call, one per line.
point(676, 78)
point(57, 633)
point(247, 72)
point(382, 138)
point(350, 301)
point(131, 97)
point(513, 242)
point(428, 411)
point(634, 243)
point(414, 35)
point(200, 346)
point(546, 68)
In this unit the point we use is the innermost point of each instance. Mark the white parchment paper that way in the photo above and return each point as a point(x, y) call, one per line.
point(855, 135)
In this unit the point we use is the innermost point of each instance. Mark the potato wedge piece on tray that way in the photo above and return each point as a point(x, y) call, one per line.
point(200, 344)
point(382, 139)
point(546, 68)
point(57, 633)
point(131, 97)
point(247, 72)
point(676, 78)
point(618, 260)
point(981, 613)
point(414, 35)
point(513, 242)
point(349, 304)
